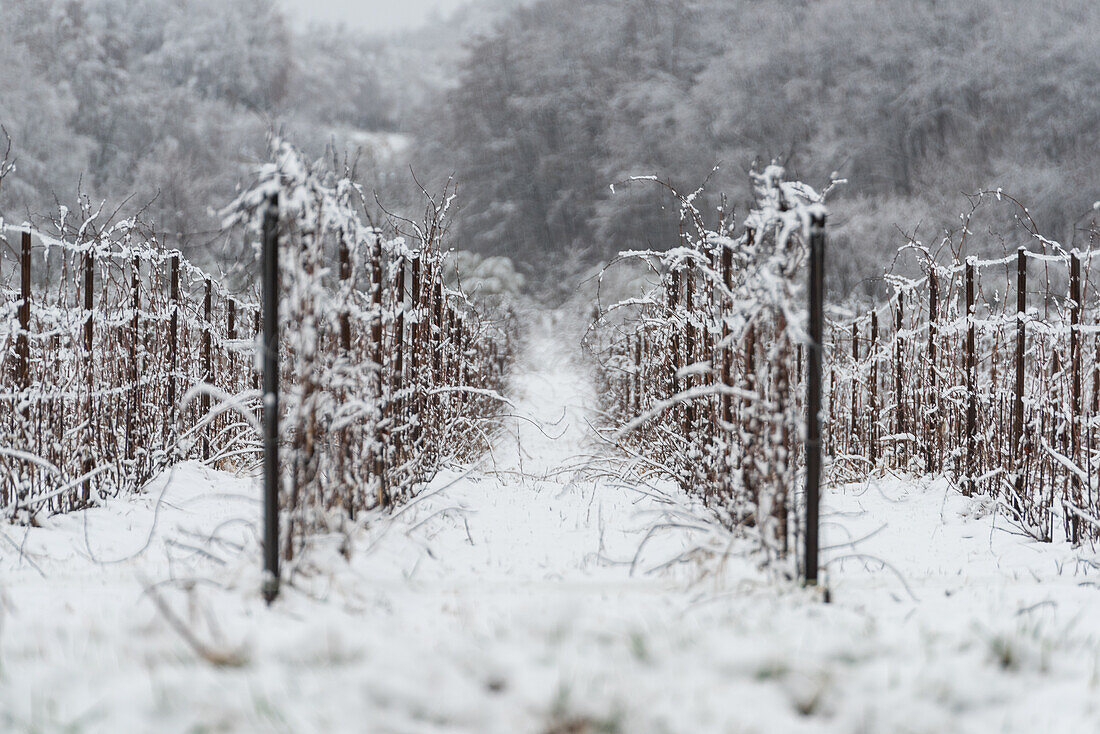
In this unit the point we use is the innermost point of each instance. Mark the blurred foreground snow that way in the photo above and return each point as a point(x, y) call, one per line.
point(511, 597)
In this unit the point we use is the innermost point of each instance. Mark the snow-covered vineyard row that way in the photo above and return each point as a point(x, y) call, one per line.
point(986, 371)
point(543, 589)
point(539, 581)
point(118, 358)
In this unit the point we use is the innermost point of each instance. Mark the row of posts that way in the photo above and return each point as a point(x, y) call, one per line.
point(23, 376)
point(448, 322)
point(932, 449)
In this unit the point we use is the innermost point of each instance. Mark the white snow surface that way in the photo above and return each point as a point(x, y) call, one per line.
point(512, 597)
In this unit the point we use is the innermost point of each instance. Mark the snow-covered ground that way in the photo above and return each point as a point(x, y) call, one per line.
point(511, 597)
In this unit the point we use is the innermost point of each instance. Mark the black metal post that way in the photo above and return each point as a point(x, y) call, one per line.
point(23, 345)
point(813, 392)
point(971, 380)
point(271, 399)
point(1017, 454)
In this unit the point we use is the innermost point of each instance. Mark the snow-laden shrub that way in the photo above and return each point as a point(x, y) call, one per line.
point(700, 370)
point(388, 371)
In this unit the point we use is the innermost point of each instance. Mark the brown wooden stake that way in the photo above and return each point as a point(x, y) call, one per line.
point(463, 342)
point(900, 425)
point(674, 307)
point(379, 359)
point(1095, 410)
point(229, 369)
point(398, 349)
point(89, 285)
point(936, 420)
point(853, 436)
point(22, 344)
point(173, 334)
point(689, 348)
point(132, 419)
point(1096, 381)
point(872, 422)
point(417, 330)
point(453, 356)
point(207, 368)
point(257, 373)
point(747, 421)
point(437, 336)
point(345, 317)
point(727, 351)
point(399, 329)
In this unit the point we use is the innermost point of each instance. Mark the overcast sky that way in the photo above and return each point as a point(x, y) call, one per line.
point(378, 15)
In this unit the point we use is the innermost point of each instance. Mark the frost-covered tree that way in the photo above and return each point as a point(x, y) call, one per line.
point(914, 103)
point(166, 105)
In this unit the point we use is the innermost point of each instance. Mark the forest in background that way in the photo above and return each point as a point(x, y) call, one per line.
point(538, 108)
point(914, 103)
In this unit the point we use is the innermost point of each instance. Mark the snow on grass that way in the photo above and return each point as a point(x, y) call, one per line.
point(510, 599)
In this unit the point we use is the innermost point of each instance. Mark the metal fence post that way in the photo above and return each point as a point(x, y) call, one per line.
point(270, 587)
point(1021, 345)
point(813, 393)
point(971, 379)
point(23, 348)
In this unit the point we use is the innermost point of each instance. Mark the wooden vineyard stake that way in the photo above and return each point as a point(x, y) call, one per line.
point(207, 369)
point(727, 351)
point(345, 278)
point(132, 418)
point(1076, 311)
point(416, 333)
point(853, 439)
point(399, 360)
point(900, 425)
point(872, 416)
point(378, 355)
point(173, 331)
point(89, 417)
point(933, 440)
point(22, 344)
point(689, 349)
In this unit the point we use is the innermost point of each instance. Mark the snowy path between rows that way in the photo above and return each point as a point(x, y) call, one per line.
point(512, 598)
